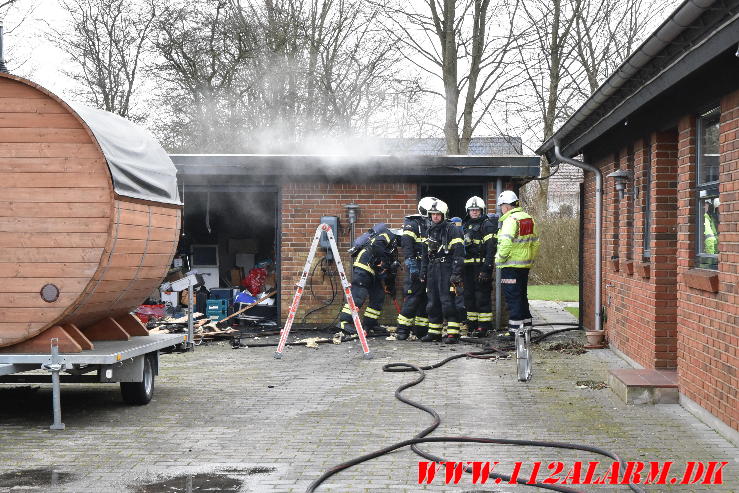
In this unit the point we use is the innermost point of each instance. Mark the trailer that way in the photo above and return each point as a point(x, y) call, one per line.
point(133, 363)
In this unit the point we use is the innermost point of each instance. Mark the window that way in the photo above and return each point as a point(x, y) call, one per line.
point(708, 203)
point(647, 200)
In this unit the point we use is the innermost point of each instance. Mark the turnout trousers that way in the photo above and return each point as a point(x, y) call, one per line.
point(514, 282)
point(477, 299)
point(365, 288)
point(412, 315)
point(441, 298)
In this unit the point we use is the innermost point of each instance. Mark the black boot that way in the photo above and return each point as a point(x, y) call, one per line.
point(402, 336)
point(480, 333)
point(431, 337)
point(451, 339)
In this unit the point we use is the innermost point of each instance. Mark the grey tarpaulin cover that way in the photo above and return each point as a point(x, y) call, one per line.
point(140, 167)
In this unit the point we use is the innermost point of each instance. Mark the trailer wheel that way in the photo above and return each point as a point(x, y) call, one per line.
point(140, 393)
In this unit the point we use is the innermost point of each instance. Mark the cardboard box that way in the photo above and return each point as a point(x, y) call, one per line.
point(235, 276)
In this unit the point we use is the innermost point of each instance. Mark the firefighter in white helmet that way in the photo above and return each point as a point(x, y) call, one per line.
point(480, 245)
point(412, 316)
point(442, 269)
point(518, 246)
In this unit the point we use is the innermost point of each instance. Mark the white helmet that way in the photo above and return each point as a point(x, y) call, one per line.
point(438, 207)
point(425, 204)
point(507, 197)
point(475, 202)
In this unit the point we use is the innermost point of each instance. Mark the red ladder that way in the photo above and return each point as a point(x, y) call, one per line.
point(285, 332)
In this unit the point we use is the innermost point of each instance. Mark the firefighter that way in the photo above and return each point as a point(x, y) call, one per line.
point(442, 268)
point(459, 293)
point(371, 274)
point(518, 246)
point(480, 246)
point(412, 317)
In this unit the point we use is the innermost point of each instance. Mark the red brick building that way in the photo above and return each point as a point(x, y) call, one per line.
point(667, 121)
point(276, 202)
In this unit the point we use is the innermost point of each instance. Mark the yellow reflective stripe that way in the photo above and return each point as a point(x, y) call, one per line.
point(452, 324)
point(434, 331)
point(422, 322)
point(433, 325)
point(472, 316)
point(452, 331)
point(485, 317)
point(455, 240)
point(364, 266)
point(405, 320)
point(420, 239)
point(372, 310)
point(472, 260)
point(408, 232)
point(386, 237)
point(371, 315)
point(488, 237)
point(346, 309)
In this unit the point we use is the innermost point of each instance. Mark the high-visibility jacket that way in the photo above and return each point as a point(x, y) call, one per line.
point(518, 240)
point(710, 233)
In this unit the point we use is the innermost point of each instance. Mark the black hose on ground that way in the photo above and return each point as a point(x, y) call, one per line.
point(421, 436)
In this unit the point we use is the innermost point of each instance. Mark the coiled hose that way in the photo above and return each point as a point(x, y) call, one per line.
point(421, 437)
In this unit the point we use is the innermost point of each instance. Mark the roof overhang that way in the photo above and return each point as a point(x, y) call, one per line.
point(614, 101)
point(278, 168)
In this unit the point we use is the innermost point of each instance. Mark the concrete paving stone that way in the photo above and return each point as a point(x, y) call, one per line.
point(213, 412)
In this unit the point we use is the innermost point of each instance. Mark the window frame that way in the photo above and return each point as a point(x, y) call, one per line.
point(647, 207)
point(705, 190)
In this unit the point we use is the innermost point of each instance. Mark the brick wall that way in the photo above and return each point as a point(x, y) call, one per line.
point(302, 208)
point(707, 322)
point(653, 315)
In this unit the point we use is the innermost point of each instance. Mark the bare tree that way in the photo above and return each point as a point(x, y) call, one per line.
point(464, 44)
point(106, 40)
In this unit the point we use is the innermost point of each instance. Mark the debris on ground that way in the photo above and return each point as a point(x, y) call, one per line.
point(591, 384)
point(565, 347)
point(311, 342)
point(337, 338)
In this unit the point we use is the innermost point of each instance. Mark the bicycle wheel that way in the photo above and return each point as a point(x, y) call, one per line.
point(523, 356)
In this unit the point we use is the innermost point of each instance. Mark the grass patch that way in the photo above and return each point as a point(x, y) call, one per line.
point(555, 292)
point(574, 310)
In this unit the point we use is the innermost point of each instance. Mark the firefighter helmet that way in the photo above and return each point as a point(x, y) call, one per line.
point(507, 197)
point(424, 204)
point(438, 207)
point(475, 202)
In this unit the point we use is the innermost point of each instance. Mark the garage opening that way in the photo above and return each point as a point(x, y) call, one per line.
point(455, 195)
point(229, 235)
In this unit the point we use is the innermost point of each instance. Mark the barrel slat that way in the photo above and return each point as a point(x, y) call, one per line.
point(129, 272)
point(39, 120)
point(53, 240)
point(45, 135)
point(136, 246)
point(32, 315)
point(133, 259)
point(54, 209)
point(52, 195)
point(34, 285)
point(54, 149)
point(33, 300)
point(54, 180)
point(119, 285)
point(55, 269)
point(50, 254)
point(23, 105)
point(127, 231)
point(13, 89)
point(54, 165)
point(55, 225)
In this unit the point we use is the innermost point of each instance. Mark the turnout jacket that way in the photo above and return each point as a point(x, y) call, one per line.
point(479, 241)
point(412, 241)
point(445, 242)
point(377, 256)
point(518, 240)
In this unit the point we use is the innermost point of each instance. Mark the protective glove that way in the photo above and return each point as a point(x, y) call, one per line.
point(412, 266)
point(455, 279)
point(484, 277)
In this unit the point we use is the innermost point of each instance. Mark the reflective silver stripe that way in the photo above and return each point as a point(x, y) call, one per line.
point(501, 235)
point(508, 281)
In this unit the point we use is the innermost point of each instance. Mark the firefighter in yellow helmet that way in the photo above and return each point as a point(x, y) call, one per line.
point(518, 246)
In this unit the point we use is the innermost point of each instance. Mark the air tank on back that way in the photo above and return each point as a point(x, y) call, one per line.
point(89, 220)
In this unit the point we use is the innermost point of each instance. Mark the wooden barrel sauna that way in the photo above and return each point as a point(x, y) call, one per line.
point(80, 245)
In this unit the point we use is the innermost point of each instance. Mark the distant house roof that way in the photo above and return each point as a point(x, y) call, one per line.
point(503, 145)
point(566, 180)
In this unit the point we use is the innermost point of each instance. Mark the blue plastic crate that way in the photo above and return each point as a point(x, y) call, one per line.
point(216, 305)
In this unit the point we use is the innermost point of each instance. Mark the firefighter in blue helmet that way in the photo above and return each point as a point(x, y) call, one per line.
point(372, 272)
point(412, 316)
point(442, 268)
point(480, 246)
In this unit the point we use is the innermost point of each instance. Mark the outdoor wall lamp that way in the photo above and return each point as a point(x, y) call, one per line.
point(622, 177)
point(352, 210)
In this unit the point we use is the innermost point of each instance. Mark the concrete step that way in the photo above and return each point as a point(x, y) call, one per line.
point(644, 386)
